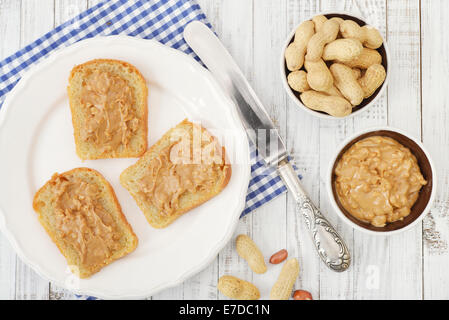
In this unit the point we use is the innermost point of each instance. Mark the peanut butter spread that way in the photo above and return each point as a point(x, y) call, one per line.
point(378, 180)
point(108, 105)
point(169, 176)
point(81, 220)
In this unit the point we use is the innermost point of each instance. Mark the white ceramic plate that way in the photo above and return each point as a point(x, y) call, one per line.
point(36, 140)
point(299, 103)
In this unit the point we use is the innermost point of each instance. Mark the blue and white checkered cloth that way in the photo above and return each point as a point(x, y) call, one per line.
point(161, 20)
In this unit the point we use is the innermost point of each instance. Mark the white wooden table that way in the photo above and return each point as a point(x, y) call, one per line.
point(412, 265)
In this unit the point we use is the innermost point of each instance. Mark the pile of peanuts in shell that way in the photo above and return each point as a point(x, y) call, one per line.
point(239, 289)
point(334, 64)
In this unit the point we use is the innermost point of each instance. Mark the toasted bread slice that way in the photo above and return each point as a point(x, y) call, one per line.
point(108, 101)
point(89, 241)
point(186, 199)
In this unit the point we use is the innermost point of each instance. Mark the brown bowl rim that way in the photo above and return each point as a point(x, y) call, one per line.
point(426, 193)
point(383, 50)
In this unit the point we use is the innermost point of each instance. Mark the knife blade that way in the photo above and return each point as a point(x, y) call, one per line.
point(263, 133)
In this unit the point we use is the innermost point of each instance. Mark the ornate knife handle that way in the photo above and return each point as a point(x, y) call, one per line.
point(330, 246)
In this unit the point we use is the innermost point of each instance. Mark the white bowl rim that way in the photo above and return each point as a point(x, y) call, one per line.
point(316, 113)
point(331, 194)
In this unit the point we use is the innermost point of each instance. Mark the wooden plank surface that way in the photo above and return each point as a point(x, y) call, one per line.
point(435, 134)
point(411, 265)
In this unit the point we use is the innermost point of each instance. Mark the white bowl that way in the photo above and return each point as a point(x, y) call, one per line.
point(427, 193)
point(366, 103)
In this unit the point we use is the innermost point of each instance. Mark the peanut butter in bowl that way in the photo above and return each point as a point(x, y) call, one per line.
point(378, 180)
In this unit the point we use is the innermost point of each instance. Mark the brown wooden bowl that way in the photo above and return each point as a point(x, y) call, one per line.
point(383, 50)
point(426, 195)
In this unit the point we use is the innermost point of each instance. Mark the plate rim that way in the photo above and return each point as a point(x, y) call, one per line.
point(240, 207)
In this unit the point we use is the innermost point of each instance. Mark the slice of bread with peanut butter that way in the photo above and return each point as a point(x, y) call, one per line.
point(108, 101)
point(181, 171)
point(81, 214)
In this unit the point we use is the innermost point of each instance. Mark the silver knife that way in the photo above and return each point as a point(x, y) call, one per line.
point(330, 246)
